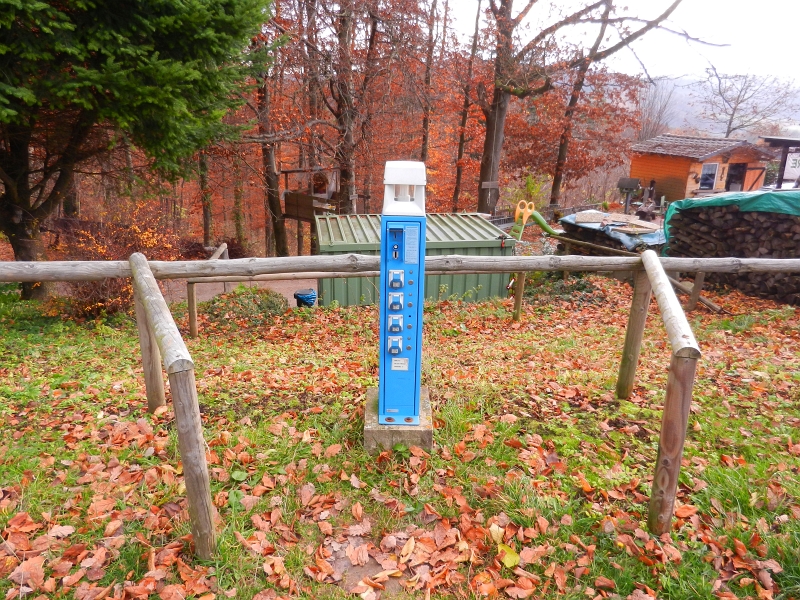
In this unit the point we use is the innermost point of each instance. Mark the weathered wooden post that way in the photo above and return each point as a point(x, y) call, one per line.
point(677, 403)
point(191, 300)
point(224, 255)
point(151, 358)
point(699, 278)
point(678, 398)
point(519, 291)
point(642, 291)
point(180, 370)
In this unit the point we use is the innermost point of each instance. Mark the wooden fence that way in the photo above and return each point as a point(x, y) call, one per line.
point(161, 341)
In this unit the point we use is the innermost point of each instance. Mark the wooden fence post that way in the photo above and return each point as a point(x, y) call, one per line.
point(191, 300)
point(519, 291)
point(192, 447)
point(678, 398)
point(699, 278)
point(191, 291)
point(677, 405)
point(180, 370)
point(151, 358)
point(227, 256)
point(642, 291)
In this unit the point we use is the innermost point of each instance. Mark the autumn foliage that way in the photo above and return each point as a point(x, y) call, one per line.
point(351, 91)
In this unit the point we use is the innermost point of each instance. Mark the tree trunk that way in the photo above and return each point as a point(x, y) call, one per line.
point(346, 113)
point(462, 130)
point(347, 169)
point(569, 115)
point(312, 78)
point(71, 203)
point(492, 149)
point(238, 200)
point(205, 193)
point(274, 224)
point(26, 241)
point(426, 101)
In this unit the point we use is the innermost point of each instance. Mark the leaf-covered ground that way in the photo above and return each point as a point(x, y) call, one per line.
point(537, 485)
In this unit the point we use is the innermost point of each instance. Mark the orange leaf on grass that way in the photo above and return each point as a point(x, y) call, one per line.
point(71, 580)
point(604, 583)
point(468, 456)
point(560, 576)
point(61, 531)
point(23, 523)
point(333, 450)
point(173, 592)
point(685, 510)
point(30, 573)
point(518, 592)
point(307, 493)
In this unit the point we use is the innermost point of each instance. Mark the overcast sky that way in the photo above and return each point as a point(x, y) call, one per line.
point(762, 37)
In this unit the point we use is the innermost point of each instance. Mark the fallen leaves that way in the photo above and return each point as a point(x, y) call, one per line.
point(61, 531)
point(508, 556)
point(30, 573)
point(684, 511)
point(429, 522)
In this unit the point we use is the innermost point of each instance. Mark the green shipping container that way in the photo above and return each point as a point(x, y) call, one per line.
point(465, 234)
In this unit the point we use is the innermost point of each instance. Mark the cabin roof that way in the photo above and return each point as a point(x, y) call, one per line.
point(698, 148)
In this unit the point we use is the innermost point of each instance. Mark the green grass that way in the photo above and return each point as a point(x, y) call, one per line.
point(528, 434)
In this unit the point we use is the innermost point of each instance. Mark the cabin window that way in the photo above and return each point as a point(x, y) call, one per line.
point(708, 176)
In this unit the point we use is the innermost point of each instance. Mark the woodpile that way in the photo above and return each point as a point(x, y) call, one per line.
point(725, 231)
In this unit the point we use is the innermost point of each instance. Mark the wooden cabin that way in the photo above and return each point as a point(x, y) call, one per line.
point(685, 166)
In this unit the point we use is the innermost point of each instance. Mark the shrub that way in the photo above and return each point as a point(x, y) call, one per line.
point(137, 229)
point(244, 307)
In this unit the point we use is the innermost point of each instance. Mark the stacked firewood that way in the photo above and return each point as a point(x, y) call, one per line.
point(725, 231)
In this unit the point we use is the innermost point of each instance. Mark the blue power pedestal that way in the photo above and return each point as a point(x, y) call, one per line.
point(401, 293)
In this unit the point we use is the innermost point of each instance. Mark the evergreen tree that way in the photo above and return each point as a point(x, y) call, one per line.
point(77, 75)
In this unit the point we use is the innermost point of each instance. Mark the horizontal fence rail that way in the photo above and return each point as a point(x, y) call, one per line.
point(27, 272)
point(159, 336)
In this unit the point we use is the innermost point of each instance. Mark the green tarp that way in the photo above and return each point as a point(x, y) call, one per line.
point(785, 202)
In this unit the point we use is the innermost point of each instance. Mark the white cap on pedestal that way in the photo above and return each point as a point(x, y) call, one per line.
point(404, 188)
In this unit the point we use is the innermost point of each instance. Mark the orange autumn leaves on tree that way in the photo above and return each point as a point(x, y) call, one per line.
point(606, 112)
point(375, 66)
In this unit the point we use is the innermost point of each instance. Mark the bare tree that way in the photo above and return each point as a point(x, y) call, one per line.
point(742, 102)
point(526, 68)
point(656, 108)
point(575, 96)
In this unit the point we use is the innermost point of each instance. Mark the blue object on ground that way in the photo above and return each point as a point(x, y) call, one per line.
point(306, 297)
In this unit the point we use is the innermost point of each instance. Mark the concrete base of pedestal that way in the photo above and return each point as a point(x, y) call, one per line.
point(379, 437)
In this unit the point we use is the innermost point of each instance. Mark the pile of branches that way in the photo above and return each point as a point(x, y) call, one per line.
point(593, 236)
